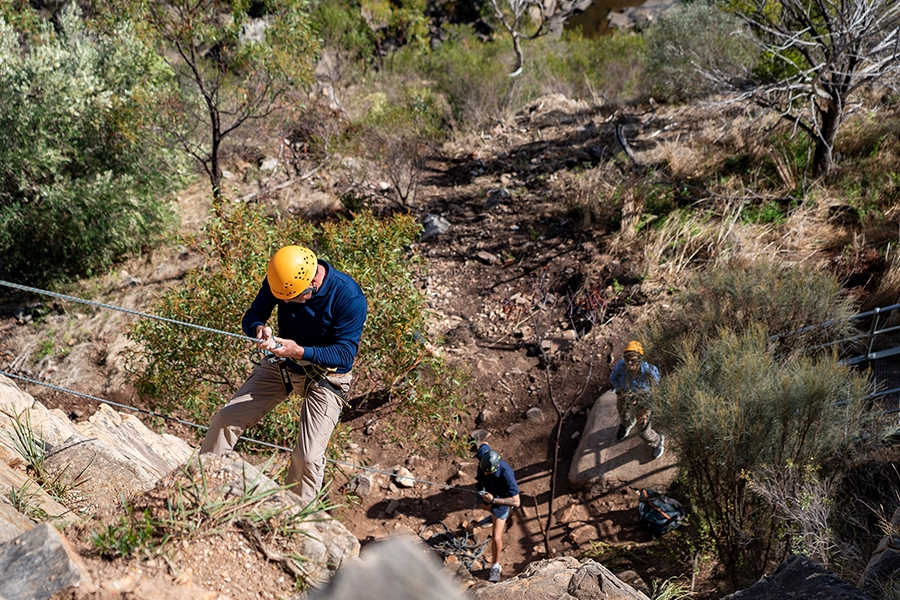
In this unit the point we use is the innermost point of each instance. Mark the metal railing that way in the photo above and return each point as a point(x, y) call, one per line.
point(875, 330)
point(871, 338)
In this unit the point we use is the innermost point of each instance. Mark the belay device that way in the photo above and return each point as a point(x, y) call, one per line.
point(659, 513)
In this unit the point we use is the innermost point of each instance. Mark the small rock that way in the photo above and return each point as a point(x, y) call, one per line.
point(403, 478)
point(487, 257)
point(512, 427)
point(268, 164)
point(433, 225)
point(484, 417)
point(535, 414)
point(496, 197)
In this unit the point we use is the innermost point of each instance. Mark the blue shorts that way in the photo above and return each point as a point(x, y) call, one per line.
point(500, 512)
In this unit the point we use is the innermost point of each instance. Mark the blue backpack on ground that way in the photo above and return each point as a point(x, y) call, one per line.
point(659, 513)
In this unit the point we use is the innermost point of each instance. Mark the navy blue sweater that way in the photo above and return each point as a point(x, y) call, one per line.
point(500, 484)
point(328, 325)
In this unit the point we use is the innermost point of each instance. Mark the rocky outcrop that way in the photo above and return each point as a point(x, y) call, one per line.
point(641, 16)
point(884, 565)
point(801, 579)
point(113, 456)
point(562, 578)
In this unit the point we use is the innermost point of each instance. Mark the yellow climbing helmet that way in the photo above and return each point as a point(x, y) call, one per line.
point(635, 346)
point(291, 271)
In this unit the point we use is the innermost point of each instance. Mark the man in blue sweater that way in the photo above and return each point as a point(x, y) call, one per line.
point(496, 482)
point(633, 378)
point(321, 313)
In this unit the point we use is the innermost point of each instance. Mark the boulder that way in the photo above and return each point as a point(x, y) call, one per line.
point(399, 568)
point(39, 563)
point(799, 578)
point(564, 578)
point(159, 453)
point(601, 461)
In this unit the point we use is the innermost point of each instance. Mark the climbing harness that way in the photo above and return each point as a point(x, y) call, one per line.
point(466, 547)
point(311, 373)
point(262, 355)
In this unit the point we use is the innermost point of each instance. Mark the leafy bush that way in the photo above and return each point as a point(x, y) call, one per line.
point(741, 295)
point(690, 42)
point(733, 409)
point(82, 180)
point(195, 372)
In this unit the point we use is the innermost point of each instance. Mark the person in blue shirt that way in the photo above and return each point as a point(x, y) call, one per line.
point(496, 482)
point(321, 313)
point(633, 377)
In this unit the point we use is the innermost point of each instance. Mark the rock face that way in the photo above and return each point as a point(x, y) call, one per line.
point(110, 456)
point(801, 579)
point(561, 578)
point(603, 462)
point(398, 568)
point(884, 564)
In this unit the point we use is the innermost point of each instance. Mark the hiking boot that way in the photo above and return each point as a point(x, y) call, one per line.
point(494, 577)
point(623, 432)
point(659, 448)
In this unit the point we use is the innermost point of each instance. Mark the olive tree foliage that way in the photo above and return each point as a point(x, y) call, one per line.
point(529, 19)
point(233, 61)
point(82, 179)
point(818, 53)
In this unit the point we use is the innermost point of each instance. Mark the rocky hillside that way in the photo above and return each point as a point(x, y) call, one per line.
point(502, 211)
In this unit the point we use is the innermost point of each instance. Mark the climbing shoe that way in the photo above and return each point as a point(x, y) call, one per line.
point(623, 432)
point(494, 577)
point(659, 448)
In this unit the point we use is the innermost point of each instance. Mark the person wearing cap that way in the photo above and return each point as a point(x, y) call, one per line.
point(633, 378)
point(496, 483)
point(321, 313)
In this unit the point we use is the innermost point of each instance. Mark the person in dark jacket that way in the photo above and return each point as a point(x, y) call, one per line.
point(496, 482)
point(321, 313)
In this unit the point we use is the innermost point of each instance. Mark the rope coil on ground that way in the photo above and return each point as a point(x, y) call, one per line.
point(466, 547)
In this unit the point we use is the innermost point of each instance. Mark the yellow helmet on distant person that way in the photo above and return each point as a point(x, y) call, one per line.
point(291, 271)
point(635, 346)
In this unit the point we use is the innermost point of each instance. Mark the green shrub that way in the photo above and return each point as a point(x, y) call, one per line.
point(694, 37)
point(81, 180)
point(195, 372)
point(741, 295)
point(734, 410)
point(473, 75)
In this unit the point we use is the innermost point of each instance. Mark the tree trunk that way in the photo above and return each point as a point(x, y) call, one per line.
point(823, 158)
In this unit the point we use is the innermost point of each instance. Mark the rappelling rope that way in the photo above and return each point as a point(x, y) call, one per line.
point(467, 548)
point(129, 311)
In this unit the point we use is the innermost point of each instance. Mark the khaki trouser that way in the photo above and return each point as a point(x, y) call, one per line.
point(261, 393)
point(631, 414)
